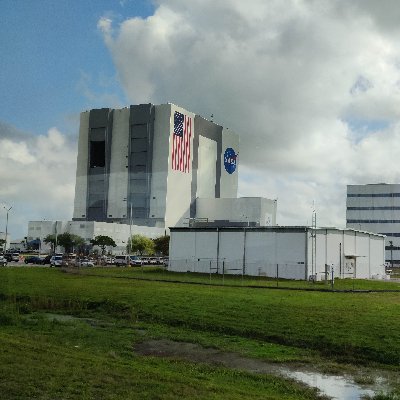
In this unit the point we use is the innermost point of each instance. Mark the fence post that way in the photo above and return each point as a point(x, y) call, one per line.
point(277, 275)
point(223, 272)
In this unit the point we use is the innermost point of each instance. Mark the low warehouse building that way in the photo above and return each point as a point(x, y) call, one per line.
point(284, 252)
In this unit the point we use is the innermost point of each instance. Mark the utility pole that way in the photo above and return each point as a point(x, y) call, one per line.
point(8, 210)
point(130, 230)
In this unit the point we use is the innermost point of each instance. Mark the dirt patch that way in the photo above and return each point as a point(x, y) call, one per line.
point(196, 353)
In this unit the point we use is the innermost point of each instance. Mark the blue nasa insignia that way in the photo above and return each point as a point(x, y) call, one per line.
point(230, 160)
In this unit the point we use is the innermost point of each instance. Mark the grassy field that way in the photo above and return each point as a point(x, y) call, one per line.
point(69, 335)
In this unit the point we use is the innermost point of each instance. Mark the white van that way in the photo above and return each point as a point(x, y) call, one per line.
point(121, 260)
point(126, 260)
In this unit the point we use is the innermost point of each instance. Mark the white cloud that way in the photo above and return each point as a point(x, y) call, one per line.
point(37, 175)
point(290, 77)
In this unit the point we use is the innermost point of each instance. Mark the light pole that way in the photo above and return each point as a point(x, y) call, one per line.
point(130, 225)
point(391, 252)
point(8, 210)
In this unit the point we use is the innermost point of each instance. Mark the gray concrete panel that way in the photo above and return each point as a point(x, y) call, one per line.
point(141, 121)
point(100, 129)
point(98, 118)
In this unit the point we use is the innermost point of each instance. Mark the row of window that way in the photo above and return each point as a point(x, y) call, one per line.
point(374, 208)
point(373, 194)
point(373, 221)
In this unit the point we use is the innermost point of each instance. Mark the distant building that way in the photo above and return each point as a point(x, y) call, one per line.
point(376, 208)
point(243, 211)
point(89, 230)
point(6, 239)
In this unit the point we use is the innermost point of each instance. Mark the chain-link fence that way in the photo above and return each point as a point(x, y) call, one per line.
point(238, 267)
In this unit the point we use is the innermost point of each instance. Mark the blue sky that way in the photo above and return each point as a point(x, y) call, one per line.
point(50, 52)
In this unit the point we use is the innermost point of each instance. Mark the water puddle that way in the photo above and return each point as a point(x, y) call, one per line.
point(333, 386)
point(336, 387)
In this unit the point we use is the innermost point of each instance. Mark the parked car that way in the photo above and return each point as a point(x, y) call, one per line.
point(56, 261)
point(85, 262)
point(135, 260)
point(34, 260)
point(120, 260)
point(46, 260)
point(8, 257)
point(3, 261)
point(15, 257)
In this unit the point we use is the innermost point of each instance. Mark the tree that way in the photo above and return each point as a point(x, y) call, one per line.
point(161, 245)
point(51, 240)
point(69, 241)
point(103, 241)
point(142, 245)
point(2, 243)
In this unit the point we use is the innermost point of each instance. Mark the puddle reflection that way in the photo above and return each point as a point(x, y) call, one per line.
point(336, 387)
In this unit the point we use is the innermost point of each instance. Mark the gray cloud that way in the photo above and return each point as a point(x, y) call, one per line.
point(37, 175)
point(290, 77)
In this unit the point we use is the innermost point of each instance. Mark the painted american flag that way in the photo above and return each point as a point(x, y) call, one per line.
point(181, 138)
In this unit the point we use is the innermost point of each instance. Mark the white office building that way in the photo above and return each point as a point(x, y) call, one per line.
point(284, 252)
point(376, 208)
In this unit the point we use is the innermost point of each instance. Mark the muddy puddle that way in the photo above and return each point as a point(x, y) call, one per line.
point(333, 386)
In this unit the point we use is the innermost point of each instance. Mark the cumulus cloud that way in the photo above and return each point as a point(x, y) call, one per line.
point(37, 175)
point(312, 87)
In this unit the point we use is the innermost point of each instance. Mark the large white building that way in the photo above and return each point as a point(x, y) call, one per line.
point(145, 168)
point(376, 208)
point(148, 163)
point(285, 252)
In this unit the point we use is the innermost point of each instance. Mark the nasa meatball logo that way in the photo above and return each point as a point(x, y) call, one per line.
point(230, 160)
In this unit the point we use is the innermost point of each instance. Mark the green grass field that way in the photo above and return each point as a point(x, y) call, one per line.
point(46, 354)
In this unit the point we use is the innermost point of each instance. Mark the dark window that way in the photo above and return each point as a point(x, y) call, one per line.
point(139, 212)
point(373, 221)
point(373, 194)
point(374, 208)
point(97, 154)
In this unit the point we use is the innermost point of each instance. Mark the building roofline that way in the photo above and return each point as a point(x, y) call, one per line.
point(269, 228)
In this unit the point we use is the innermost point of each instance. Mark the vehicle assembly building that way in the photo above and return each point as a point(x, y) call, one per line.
point(284, 252)
point(149, 163)
point(146, 168)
